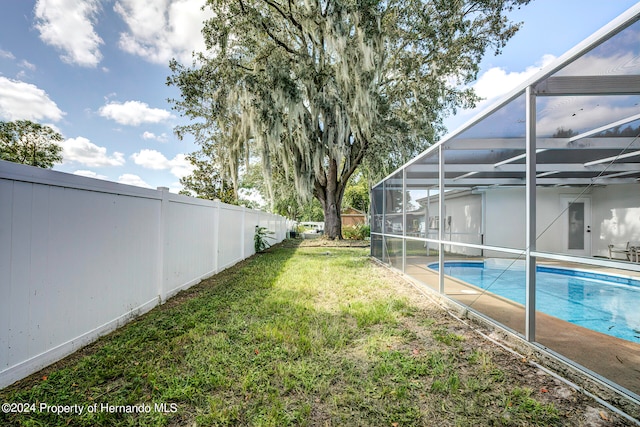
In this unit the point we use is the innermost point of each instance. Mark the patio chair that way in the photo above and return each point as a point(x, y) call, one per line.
point(617, 250)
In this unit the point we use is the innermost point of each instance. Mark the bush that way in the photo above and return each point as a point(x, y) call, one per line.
point(260, 239)
point(356, 232)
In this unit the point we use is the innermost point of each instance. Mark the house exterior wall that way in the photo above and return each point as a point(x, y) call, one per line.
point(615, 217)
point(463, 221)
point(505, 218)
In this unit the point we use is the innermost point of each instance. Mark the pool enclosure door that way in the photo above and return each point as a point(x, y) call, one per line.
point(576, 221)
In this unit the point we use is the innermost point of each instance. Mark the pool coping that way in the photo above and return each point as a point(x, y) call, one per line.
point(569, 271)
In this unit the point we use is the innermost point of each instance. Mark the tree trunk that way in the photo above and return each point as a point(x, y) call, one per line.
point(329, 192)
point(332, 219)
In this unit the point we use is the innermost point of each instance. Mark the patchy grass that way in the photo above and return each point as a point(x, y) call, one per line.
point(302, 337)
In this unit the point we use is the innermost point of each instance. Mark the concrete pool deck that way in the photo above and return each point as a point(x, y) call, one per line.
point(613, 358)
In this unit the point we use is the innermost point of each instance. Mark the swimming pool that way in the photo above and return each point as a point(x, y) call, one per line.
point(605, 303)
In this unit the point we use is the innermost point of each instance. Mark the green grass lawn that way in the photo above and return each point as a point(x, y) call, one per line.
point(295, 336)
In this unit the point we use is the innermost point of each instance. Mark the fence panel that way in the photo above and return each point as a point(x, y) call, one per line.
point(189, 242)
point(79, 257)
point(78, 262)
point(230, 238)
point(252, 218)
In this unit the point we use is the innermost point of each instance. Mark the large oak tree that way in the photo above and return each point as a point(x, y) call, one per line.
point(321, 86)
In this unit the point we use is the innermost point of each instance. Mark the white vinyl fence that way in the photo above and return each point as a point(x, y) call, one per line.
point(79, 257)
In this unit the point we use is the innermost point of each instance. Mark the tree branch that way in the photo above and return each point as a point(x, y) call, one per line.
point(355, 161)
point(289, 17)
point(277, 40)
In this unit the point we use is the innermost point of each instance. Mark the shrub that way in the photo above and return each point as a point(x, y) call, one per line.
point(356, 232)
point(260, 238)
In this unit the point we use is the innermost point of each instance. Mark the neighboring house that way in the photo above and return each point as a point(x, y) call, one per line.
point(351, 216)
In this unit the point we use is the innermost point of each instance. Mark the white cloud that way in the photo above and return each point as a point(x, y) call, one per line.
point(175, 187)
point(24, 101)
point(625, 62)
point(497, 81)
point(494, 83)
point(160, 30)
point(131, 179)
point(160, 138)
point(26, 64)
point(90, 174)
point(133, 113)
point(181, 167)
point(6, 54)
point(68, 26)
point(83, 151)
point(152, 159)
point(579, 113)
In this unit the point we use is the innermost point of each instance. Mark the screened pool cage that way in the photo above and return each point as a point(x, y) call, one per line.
point(546, 178)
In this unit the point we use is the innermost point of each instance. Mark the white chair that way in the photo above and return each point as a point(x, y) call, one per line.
point(627, 251)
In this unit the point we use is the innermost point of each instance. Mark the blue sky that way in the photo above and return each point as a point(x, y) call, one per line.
point(95, 70)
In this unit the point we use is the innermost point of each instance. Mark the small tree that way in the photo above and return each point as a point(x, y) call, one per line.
point(205, 180)
point(30, 143)
point(356, 195)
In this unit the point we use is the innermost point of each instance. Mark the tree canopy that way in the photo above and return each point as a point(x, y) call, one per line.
point(356, 194)
point(205, 180)
point(285, 200)
point(319, 87)
point(30, 143)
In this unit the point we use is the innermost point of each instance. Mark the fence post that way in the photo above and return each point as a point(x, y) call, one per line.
point(216, 235)
point(242, 232)
point(162, 235)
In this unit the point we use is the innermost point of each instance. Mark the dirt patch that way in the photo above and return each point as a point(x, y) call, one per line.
point(322, 242)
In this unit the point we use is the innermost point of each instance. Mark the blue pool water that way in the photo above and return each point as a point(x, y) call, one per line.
point(604, 303)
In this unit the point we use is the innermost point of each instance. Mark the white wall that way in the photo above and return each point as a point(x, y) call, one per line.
point(615, 217)
point(79, 257)
point(504, 218)
point(466, 221)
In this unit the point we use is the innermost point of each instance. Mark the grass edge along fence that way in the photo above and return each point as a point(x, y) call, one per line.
point(80, 257)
